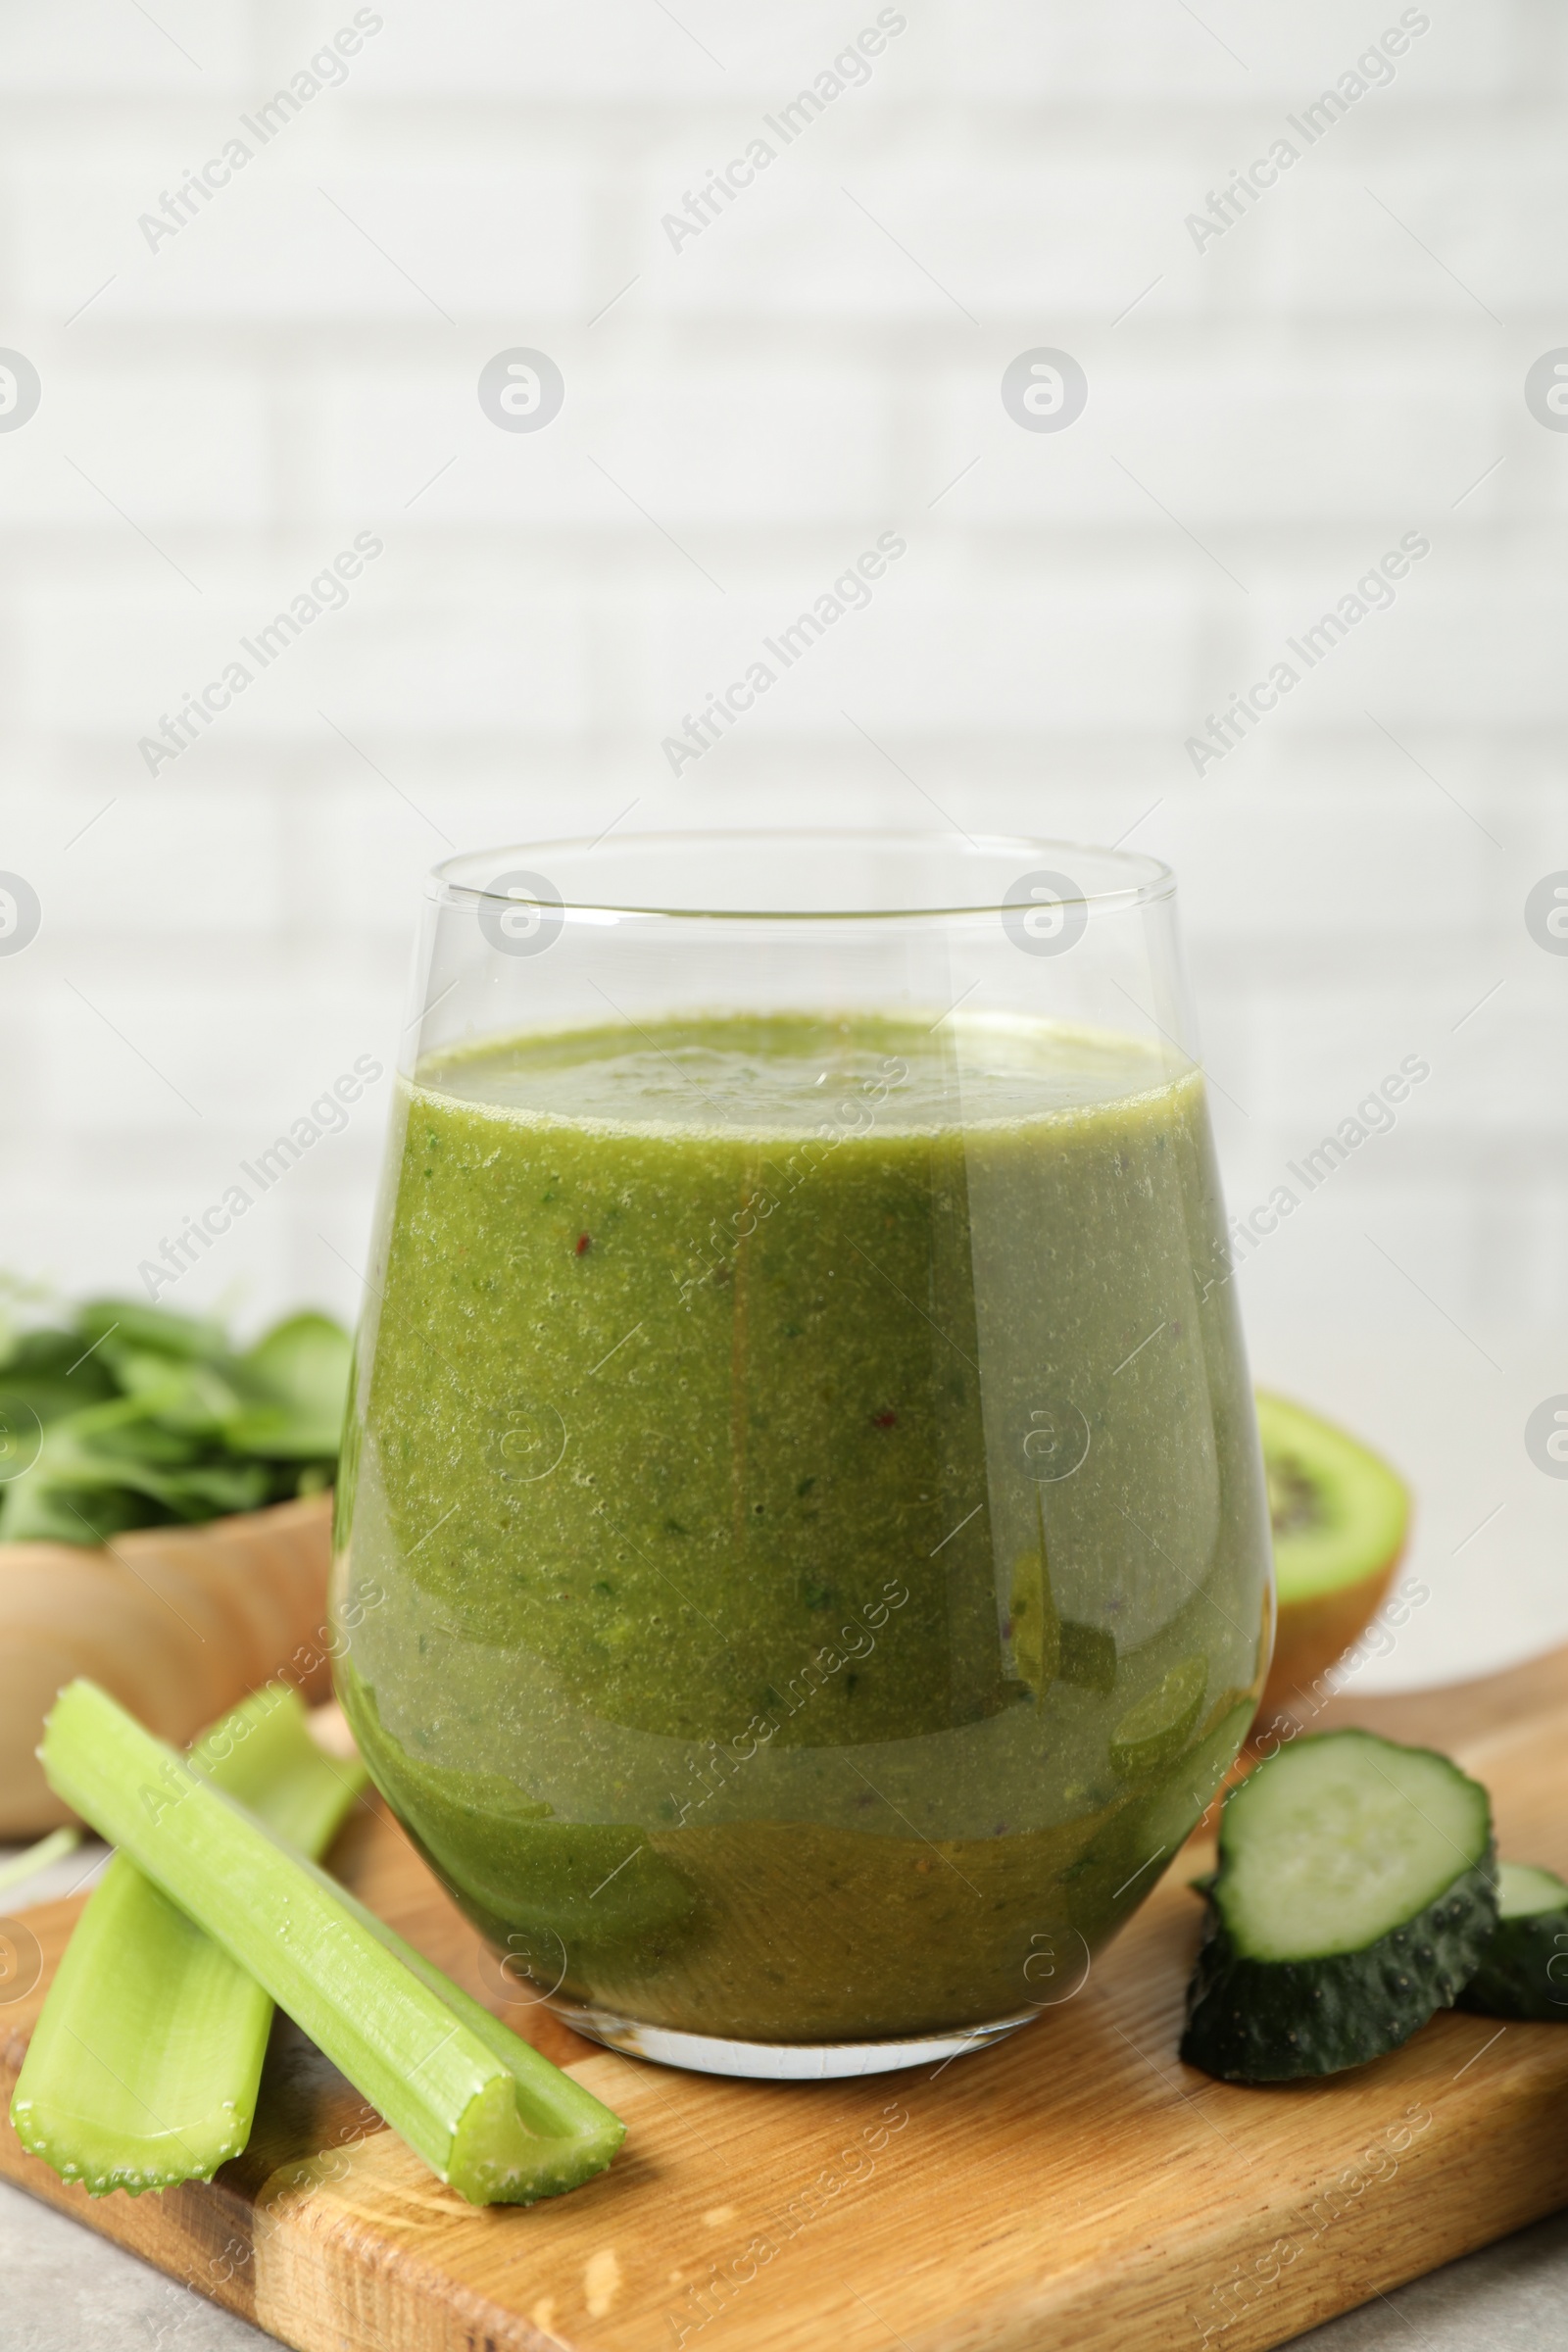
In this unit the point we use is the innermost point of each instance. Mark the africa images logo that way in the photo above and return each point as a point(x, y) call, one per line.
point(1545, 390)
point(20, 390)
point(522, 390)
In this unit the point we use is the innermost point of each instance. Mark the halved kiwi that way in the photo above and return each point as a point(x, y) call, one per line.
point(1340, 1516)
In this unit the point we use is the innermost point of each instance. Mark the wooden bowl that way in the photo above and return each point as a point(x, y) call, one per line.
point(177, 1622)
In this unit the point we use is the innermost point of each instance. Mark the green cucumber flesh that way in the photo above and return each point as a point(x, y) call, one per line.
point(1524, 1969)
point(1524, 1892)
point(1355, 1896)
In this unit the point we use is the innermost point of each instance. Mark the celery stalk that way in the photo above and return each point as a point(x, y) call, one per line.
point(488, 2114)
point(143, 2066)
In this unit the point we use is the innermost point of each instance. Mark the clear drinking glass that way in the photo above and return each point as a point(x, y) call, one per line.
point(801, 1522)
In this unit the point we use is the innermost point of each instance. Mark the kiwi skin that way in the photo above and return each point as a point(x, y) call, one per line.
point(1315, 1629)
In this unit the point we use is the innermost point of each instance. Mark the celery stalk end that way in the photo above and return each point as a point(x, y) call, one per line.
point(496, 2160)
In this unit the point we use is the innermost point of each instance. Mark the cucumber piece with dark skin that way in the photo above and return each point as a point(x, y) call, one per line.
point(1524, 1969)
point(1356, 1893)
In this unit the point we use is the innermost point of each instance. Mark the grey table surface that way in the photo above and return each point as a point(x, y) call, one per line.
point(62, 2289)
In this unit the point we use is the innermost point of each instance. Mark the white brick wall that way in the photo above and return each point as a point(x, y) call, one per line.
point(278, 376)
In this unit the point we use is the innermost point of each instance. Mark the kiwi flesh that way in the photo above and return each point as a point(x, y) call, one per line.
point(1340, 1516)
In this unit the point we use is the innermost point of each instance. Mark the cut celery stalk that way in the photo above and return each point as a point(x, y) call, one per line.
point(143, 2066)
point(488, 2114)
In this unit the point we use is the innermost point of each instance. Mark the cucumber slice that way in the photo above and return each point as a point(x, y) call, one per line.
point(1524, 1892)
point(1355, 1897)
point(1524, 1969)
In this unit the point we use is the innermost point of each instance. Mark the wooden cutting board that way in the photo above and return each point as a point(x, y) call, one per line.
point(1076, 2185)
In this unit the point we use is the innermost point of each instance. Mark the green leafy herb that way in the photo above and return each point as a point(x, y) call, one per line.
point(128, 1415)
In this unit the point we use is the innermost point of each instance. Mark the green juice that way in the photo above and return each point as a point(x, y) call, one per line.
point(801, 1523)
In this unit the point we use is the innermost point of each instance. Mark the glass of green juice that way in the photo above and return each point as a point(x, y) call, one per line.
point(802, 1554)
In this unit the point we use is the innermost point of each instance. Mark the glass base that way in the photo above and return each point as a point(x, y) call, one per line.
point(781, 2061)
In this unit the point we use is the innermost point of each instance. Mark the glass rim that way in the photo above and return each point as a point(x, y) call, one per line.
point(453, 881)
